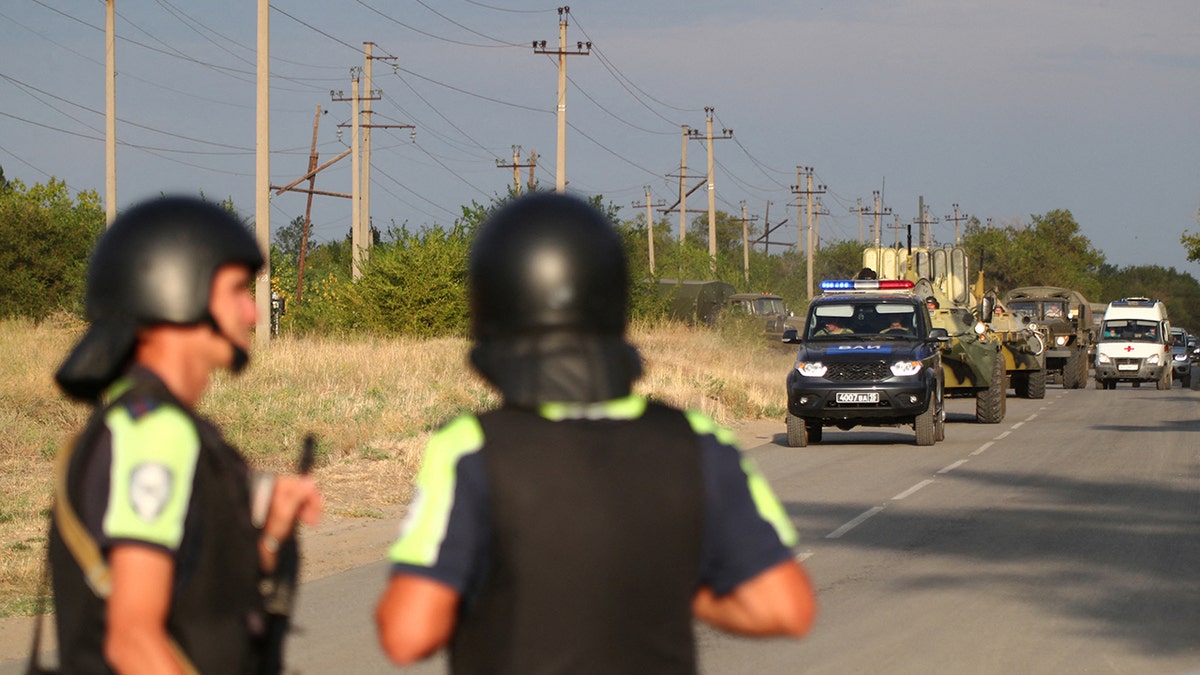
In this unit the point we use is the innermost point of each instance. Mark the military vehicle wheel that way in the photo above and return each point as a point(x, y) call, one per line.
point(797, 432)
point(926, 426)
point(1164, 381)
point(1020, 382)
point(1075, 370)
point(1037, 384)
point(991, 403)
point(814, 431)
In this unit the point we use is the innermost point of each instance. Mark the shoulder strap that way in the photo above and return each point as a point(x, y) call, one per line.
point(84, 549)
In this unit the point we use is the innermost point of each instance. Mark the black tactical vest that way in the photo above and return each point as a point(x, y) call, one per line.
point(216, 607)
point(596, 550)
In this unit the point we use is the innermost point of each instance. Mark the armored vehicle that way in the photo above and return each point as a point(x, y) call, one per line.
point(1065, 317)
point(869, 356)
point(972, 362)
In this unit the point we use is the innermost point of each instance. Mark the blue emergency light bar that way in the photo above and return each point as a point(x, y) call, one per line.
point(866, 285)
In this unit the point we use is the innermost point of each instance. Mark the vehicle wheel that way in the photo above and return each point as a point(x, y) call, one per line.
point(1037, 384)
point(1186, 381)
point(1072, 377)
point(991, 403)
point(1112, 384)
point(796, 431)
point(1020, 383)
point(1165, 380)
point(814, 431)
point(939, 425)
point(1135, 385)
point(926, 426)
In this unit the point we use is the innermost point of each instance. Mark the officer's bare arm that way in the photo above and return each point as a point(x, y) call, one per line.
point(136, 641)
point(779, 601)
point(415, 617)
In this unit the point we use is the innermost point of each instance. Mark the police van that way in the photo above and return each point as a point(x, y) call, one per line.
point(1135, 344)
point(869, 356)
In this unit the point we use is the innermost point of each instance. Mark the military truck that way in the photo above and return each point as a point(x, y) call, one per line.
point(696, 302)
point(768, 307)
point(972, 362)
point(1065, 317)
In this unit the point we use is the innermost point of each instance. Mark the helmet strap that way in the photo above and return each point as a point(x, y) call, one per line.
point(241, 357)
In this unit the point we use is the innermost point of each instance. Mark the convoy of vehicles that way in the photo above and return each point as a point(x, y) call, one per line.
point(1182, 357)
point(1135, 344)
point(869, 356)
point(768, 307)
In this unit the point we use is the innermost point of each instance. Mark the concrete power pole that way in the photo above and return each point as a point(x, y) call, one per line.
point(110, 112)
point(711, 182)
point(859, 209)
point(956, 218)
point(746, 242)
point(356, 237)
point(560, 182)
point(262, 174)
point(683, 186)
point(650, 224)
point(876, 213)
point(516, 166)
point(806, 172)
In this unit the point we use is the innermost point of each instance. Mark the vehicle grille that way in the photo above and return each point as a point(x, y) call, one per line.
point(869, 371)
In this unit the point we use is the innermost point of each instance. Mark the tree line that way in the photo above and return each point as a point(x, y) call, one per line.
point(414, 282)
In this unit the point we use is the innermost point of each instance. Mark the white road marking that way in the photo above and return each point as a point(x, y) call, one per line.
point(862, 517)
point(804, 555)
point(912, 489)
point(953, 466)
point(1003, 435)
point(983, 448)
point(1031, 417)
point(1018, 425)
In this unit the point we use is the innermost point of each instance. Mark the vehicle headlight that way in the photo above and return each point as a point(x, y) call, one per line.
point(1061, 340)
point(906, 368)
point(980, 328)
point(1153, 360)
point(1181, 357)
point(811, 368)
point(1103, 358)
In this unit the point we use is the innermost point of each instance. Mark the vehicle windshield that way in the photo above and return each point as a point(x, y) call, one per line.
point(1130, 330)
point(1043, 310)
point(867, 319)
point(768, 306)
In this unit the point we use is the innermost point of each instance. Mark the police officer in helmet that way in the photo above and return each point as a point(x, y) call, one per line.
point(161, 533)
point(579, 527)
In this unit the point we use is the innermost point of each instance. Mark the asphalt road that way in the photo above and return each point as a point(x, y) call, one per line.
point(1064, 539)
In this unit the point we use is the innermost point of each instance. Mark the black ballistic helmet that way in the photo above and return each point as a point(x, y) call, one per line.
point(154, 265)
point(549, 294)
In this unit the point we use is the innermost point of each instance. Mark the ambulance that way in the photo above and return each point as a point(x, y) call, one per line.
point(1135, 344)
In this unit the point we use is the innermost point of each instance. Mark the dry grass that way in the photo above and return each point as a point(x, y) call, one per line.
point(371, 403)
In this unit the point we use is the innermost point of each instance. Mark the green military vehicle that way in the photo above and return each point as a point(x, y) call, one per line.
point(767, 307)
point(1065, 317)
point(972, 361)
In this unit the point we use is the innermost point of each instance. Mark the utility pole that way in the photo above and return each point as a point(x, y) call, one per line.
point(516, 166)
point(683, 187)
point(360, 230)
point(712, 188)
point(312, 167)
point(896, 227)
point(650, 224)
point(110, 112)
point(924, 224)
point(956, 218)
point(819, 211)
point(371, 95)
point(798, 190)
point(876, 213)
point(262, 174)
point(533, 158)
point(808, 191)
point(859, 209)
point(746, 242)
point(562, 53)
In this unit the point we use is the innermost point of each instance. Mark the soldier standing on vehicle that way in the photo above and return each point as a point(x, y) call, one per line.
point(579, 528)
point(162, 534)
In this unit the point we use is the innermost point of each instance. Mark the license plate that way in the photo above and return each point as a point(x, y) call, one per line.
point(1131, 366)
point(858, 397)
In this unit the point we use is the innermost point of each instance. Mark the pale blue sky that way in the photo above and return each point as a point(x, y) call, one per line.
point(1006, 108)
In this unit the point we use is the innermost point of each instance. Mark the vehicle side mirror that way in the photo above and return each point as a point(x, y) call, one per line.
point(987, 308)
point(791, 336)
point(939, 335)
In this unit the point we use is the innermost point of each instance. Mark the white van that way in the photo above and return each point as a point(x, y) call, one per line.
point(1135, 344)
